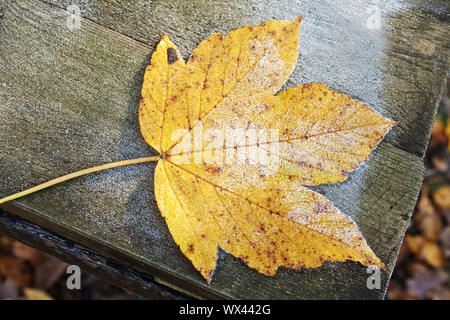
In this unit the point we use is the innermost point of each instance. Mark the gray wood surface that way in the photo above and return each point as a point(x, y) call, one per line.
point(69, 99)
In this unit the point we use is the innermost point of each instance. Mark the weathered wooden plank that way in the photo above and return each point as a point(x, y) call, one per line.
point(89, 261)
point(68, 100)
point(403, 63)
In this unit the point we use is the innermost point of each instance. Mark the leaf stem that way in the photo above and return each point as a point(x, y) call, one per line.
point(78, 174)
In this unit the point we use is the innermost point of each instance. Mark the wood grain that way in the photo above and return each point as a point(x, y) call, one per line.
point(69, 99)
point(403, 63)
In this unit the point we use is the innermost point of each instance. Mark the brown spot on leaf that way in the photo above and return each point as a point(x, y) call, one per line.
point(172, 56)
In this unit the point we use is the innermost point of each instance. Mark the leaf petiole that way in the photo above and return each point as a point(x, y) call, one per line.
point(78, 174)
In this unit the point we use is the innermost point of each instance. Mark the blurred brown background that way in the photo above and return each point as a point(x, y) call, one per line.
point(422, 270)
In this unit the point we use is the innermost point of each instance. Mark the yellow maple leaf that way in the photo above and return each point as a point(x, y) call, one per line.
point(217, 186)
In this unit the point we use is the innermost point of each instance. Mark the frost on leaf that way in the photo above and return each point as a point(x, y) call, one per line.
point(267, 219)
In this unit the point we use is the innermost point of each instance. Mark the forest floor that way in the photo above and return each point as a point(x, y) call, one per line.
point(26, 273)
point(422, 270)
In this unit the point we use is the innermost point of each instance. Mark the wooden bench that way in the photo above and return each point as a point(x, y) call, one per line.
point(69, 99)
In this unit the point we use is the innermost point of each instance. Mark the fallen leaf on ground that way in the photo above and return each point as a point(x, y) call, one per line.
point(428, 220)
point(14, 268)
point(5, 241)
point(432, 254)
point(256, 207)
point(414, 243)
point(447, 133)
point(440, 163)
point(424, 203)
point(27, 253)
point(438, 135)
point(442, 197)
point(36, 294)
